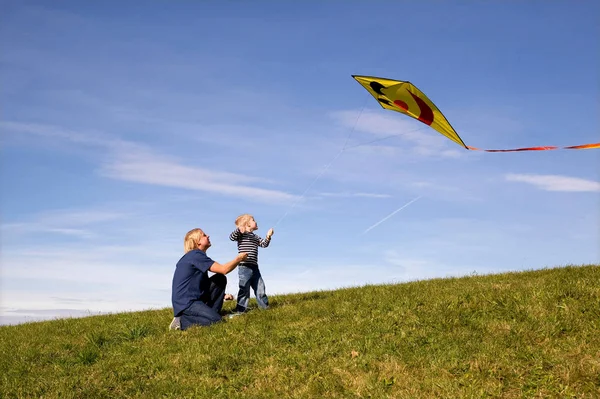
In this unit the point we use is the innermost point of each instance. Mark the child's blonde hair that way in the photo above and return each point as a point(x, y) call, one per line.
point(191, 240)
point(243, 221)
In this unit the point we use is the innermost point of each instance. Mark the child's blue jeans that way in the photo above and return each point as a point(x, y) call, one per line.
point(250, 278)
point(206, 310)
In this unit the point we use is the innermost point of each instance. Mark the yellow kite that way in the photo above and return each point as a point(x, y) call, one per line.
point(406, 98)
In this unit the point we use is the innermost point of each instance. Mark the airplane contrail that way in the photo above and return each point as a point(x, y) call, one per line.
point(391, 214)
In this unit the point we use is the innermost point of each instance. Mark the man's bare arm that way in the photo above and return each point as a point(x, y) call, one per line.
point(229, 266)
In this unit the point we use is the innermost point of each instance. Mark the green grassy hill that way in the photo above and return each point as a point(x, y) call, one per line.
point(513, 335)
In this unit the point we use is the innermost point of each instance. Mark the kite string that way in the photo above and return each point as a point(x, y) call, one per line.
point(354, 127)
point(326, 166)
point(387, 137)
point(309, 186)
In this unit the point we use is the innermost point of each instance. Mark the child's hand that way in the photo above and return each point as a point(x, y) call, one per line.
point(228, 297)
point(269, 233)
point(242, 256)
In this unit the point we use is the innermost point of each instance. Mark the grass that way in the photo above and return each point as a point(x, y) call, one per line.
point(532, 334)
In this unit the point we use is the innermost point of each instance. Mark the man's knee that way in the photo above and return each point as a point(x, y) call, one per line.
point(219, 280)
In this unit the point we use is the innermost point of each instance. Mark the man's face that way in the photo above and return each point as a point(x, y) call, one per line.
point(204, 241)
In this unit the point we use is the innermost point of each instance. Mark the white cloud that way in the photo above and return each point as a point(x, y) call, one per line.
point(64, 222)
point(18, 316)
point(391, 214)
point(423, 268)
point(350, 195)
point(97, 265)
point(373, 122)
point(556, 182)
point(54, 132)
point(383, 126)
point(332, 276)
point(130, 161)
point(392, 268)
point(145, 167)
point(23, 228)
point(81, 217)
point(103, 278)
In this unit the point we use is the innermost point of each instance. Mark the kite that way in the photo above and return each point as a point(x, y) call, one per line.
point(406, 98)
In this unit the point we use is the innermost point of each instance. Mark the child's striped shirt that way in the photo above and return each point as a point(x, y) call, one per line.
point(249, 243)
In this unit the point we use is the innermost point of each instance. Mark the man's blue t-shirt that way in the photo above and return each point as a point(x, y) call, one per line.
point(190, 281)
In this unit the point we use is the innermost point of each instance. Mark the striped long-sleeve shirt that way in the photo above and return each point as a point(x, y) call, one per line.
point(249, 243)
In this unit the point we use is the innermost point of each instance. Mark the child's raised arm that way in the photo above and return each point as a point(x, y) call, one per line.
point(265, 243)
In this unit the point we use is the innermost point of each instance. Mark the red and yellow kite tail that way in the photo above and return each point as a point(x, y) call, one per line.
point(546, 148)
point(583, 146)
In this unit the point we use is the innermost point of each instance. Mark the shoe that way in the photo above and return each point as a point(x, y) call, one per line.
point(235, 314)
point(175, 324)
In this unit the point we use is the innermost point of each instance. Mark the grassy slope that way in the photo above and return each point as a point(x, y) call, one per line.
point(527, 334)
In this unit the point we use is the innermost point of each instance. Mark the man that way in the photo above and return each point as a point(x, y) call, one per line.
point(198, 298)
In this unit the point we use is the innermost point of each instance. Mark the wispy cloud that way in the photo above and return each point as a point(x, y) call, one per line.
point(412, 268)
point(54, 132)
point(443, 191)
point(81, 217)
point(86, 276)
point(85, 265)
point(149, 168)
point(18, 316)
point(391, 214)
point(131, 161)
point(391, 268)
point(75, 223)
point(383, 126)
point(350, 195)
point(556, 182)
point(299, 278)
point(23, 228)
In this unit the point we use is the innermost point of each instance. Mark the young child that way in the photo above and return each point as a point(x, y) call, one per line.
point(249, 274)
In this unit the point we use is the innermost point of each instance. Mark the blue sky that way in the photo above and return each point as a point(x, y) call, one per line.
point(126, 124)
